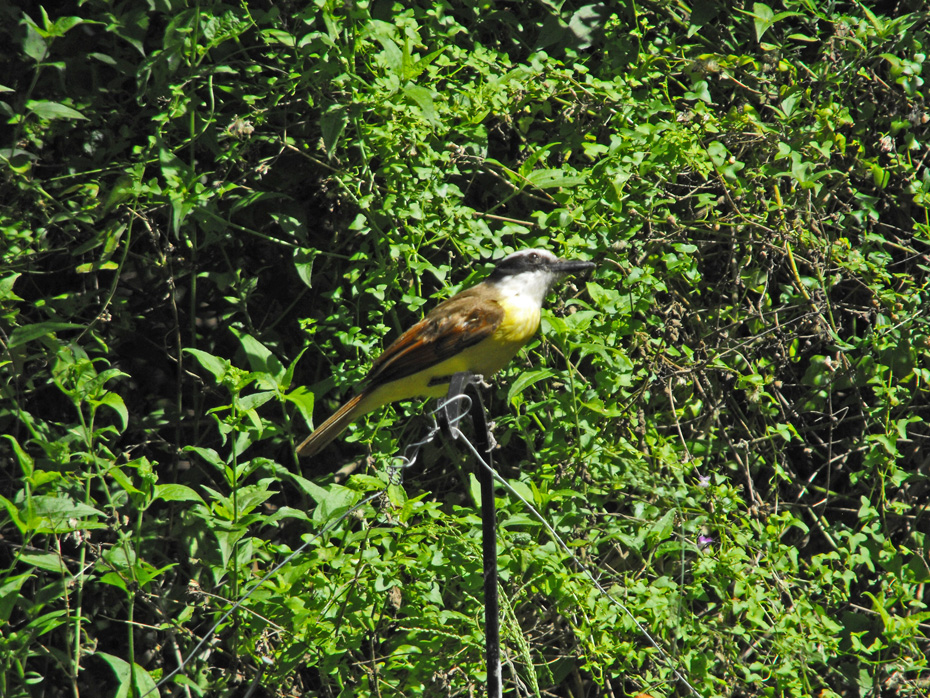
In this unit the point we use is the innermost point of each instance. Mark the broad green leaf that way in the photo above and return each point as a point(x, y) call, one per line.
point(64, 24)
point(587, 21)
point(174, 492)
point(261, 358)
point(600, 407)
point(115, 402)
point(28, 333)
point(53, 110)
point(606, 298)
point(303, 398)
point(526, 167)
point(215, 365)
point(397, 495)
point(279, 36)
point(255, 400)
point(550, 179)
point(764, 17)
point(662, 529)
point(332, 501)
point(63, 506)
point(527, 492)
point(123, 480)
point(392, 54)
point(6, 288)
point(285, 381)
point(114, 579)
point(50, 562)
point(35, 45)
point(702, 14)
point(332, 125)
point(415, 68)
point(13, 512)
point(303, 262)
point(528, 378)
point(144, 684)
point(209, 455)
point(26, 463)
point(9, 593)
point(424, 100)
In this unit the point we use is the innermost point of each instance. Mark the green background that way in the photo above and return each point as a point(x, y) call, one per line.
point(215, 215)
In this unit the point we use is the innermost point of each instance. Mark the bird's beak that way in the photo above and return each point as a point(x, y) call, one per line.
point(570, 266)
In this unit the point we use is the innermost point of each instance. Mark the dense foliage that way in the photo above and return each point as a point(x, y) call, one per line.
point(214, 215)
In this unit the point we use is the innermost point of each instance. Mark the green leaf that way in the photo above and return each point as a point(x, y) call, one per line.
point(333, 125)
point(526, 379)
point(303, 262)
point(702, 14)
point(764, 17)
point(423, 98)
point(9, 594)
point(288, 377)
point(279, 36)
point(880, 176)
point(332, 501)
point(397, 495)
point(26, 463)
point(50, 562)
point(115, 402)
point(260, 357)
point(413, 69)
point(550, 179)
point(6, 287)
point(526, 168)
point(255, 400)
point(660, 530)
point(143, 685)
point(114, 579)
point(13, 512)
point(35, 45)
point(209, 455)
point(303, 398)
point(587, 21)
point(123, 480)
point(64, 24)
point(700, 90)
point(392, 54)
point(605, 298)
point(600, 407)
point(177, 493)
point(63, 506)
point(214, 364)
point(29, 333)
point(820, 372)
point(123, 189)
point(53, 110)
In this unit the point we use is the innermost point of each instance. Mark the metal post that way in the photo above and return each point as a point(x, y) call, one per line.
point(467, 384)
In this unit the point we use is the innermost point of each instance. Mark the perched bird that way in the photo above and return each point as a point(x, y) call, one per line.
point(479, 330)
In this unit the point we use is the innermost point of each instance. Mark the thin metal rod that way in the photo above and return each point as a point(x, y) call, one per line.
point(467, 384)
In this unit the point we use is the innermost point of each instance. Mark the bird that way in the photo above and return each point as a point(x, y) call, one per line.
point(479, 330)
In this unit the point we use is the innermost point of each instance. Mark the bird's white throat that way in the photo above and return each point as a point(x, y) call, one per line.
point(528, 287)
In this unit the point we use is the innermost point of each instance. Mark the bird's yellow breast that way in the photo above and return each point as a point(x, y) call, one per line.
point(521, 320)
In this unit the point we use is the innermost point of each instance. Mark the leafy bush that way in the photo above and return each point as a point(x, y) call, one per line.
point(215, 215)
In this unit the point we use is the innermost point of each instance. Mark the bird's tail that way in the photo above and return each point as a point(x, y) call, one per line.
point(332, 427)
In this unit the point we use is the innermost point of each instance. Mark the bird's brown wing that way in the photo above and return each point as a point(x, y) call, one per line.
point(452, 326)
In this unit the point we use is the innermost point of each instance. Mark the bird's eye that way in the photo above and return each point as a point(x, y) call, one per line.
point(534, 257)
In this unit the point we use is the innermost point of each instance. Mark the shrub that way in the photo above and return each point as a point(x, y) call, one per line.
point(215, 216)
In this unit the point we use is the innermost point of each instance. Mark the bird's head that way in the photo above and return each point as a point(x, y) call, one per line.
point(533, 271)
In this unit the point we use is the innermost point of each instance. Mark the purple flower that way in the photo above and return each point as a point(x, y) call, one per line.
point(704, 541)
point(704, 481)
